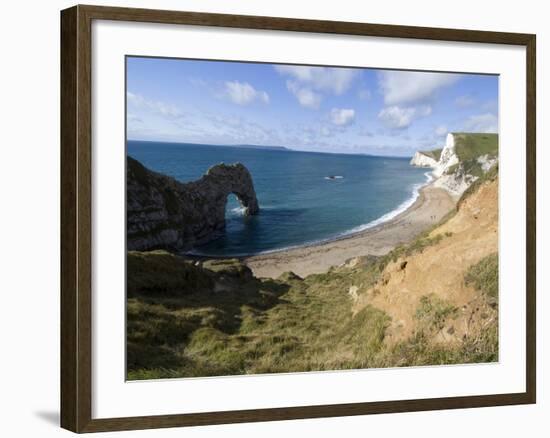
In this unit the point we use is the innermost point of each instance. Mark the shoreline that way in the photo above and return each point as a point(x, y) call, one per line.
point(430, 206)
point(388, 217)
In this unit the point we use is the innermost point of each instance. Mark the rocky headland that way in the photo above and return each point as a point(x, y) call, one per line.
point(430, 301)
point(420, 289)
point(163, 213)
point(464, 158)
point(425, 158)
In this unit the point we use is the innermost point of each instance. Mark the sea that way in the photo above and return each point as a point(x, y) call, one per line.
point(304, 197)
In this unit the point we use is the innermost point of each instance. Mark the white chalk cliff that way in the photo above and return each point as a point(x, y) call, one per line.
point(455, 183)
point(447, 175)
point(422, 160)
point(448, 157)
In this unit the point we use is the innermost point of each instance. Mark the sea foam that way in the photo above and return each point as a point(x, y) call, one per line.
point(415, 193)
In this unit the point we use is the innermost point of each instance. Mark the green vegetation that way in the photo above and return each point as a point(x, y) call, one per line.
point(418, 350)
point(435, 154)
point(484, 277)
point(229, 322)
point(452, 169)
point(489, 176)
point(469, 147)
point(187, 318)
point(190, 324)
point(190, 318)
point(473, 145)
point(215, 318)
point(433, 312)
point(423, 241)
point(159, 273)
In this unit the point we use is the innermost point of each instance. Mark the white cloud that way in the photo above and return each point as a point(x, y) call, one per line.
point(242, 93)
point(465, 101)
point(329, 79)
point(342, 116)
point(481, 123)
point(306, 97)
point(240, 130)
point(404, 87)
point(441, 130)
point(135, 99)
point(160, 108)
point(396, 117)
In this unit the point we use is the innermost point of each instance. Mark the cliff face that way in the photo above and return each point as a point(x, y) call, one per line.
point(163, 213)
point(455, 174)
point(455, 182)
point(439, 276)
point(448, 156)
point(422, 160)
point(432, 301)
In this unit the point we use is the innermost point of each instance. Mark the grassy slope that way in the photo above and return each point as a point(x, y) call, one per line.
point(463, 309)
point(248, 326)
point(473, 145)
point(470, 146)
point(215, 318)
point(435, 154)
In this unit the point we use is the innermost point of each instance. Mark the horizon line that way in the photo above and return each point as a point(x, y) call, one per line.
point(244, 145)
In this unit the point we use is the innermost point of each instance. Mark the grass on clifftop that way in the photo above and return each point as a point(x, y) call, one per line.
point(186, 319)
point(473, 145)
point(470, 146)
point(435, 154)
point(243, 325)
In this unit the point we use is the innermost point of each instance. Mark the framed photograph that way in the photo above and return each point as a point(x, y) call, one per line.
point(270, 218)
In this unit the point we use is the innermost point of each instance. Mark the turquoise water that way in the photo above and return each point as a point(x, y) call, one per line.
point(298, 204)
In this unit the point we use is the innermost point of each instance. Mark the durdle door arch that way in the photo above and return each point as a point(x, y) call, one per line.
point(163, 213)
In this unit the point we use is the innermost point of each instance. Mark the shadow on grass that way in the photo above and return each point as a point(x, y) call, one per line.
point(173, 303)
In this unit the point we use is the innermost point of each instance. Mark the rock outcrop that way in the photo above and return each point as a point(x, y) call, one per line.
point(449, 171)
point(448, 156)
point(422, 160)
point(455, 182)
point(163, 213)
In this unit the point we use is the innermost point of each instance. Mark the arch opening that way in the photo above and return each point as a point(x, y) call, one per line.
point(234, 207)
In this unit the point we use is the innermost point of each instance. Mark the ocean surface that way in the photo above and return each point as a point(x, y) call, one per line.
point(299, 204)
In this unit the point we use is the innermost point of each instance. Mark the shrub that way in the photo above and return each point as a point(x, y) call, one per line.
point(483, 276)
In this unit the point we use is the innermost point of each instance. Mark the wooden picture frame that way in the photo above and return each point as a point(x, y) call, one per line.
point(76, 217)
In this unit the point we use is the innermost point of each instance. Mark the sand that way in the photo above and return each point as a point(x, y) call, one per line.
point(430, 207)
point(471, 235)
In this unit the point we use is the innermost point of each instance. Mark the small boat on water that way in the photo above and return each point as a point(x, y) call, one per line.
point(334, 177)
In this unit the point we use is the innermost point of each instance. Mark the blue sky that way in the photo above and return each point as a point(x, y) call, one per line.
point(325, 109)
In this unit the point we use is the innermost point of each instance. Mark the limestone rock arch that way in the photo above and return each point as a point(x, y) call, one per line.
point(163, 213)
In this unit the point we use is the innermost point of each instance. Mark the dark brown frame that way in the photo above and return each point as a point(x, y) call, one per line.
point(76, 237)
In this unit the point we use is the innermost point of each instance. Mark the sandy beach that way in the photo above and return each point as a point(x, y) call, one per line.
point(431, 205)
